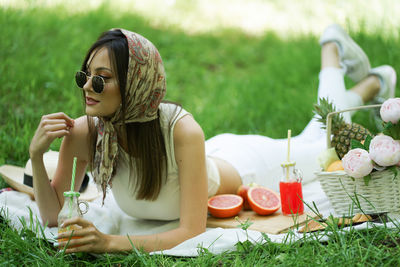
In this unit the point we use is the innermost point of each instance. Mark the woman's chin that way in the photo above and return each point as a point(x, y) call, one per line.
point(92, 112)
point(96, 113)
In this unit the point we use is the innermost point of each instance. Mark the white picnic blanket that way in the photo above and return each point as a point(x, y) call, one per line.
point(111, 220)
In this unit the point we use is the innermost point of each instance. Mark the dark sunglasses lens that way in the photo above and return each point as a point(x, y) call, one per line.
point(80, 78)
point(98, 84)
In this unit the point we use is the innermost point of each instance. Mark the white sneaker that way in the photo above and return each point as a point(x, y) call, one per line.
point(387, 79)
point(352, 58)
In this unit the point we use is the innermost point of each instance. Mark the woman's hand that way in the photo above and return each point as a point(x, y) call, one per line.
point(86, 239)
point(51, 126)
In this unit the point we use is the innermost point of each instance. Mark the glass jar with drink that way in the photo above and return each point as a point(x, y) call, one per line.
point(70, 209)
point(291, 190)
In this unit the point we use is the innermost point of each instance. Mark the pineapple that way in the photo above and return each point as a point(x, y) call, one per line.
point(342, 132)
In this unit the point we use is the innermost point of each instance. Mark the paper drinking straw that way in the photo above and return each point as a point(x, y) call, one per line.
point(70, 207)
point(72, 186)
point(288, 155)
point(289, 133)
point(73, 175)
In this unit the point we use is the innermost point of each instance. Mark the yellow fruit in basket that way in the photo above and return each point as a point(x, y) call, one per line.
point(326, 157)
point(335, 166)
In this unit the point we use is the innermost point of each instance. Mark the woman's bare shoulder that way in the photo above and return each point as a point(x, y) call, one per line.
point(80, 127)
point(187, 129)
point(78, 141)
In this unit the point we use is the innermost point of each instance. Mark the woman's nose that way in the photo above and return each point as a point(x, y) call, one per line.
point(88, 85)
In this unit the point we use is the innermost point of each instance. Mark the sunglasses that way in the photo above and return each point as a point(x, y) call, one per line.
point(81, 79)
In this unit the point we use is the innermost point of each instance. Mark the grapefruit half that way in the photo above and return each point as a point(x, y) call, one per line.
point(242, 191)
point(224, 206)
point(263, 200)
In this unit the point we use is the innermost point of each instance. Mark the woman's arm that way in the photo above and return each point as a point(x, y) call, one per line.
point(49, 196)
point(190, 157)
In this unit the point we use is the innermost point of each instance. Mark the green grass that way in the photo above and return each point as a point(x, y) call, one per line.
point(229, 80)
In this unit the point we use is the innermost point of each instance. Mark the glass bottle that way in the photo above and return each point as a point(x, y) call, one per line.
point(69, 210)
point(291, 190)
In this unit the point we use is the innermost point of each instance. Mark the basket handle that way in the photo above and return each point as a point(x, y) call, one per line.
point(329, 120)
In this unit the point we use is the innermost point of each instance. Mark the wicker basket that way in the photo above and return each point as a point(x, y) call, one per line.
point(349, 196)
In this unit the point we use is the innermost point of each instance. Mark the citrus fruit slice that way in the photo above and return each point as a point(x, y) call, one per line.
point(335, 166)
point(263, 201)
point(242, 191)
point(224, 206)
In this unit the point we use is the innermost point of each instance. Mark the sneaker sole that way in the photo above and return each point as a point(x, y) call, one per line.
point(355, 49)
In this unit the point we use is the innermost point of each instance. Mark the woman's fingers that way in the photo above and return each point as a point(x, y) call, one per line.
point(58, 134)
point(75, 243)
point(87, 238)
point(59, 115)
point(56, 124)
point(48, 121)
point(77, 220)
point(94, 241)
point(52, 131)
point(78, 248)
point(56, 127)
point(83, 233)
point(51, 126)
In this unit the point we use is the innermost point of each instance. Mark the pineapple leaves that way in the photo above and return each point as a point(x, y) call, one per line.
point(356, 144)
point(367, 178)
point(322, 109)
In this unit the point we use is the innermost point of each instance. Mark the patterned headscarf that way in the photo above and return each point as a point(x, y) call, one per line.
point(145, 88)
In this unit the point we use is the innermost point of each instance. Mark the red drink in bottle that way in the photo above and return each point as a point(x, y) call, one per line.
point(291, 190)
point(291, 197)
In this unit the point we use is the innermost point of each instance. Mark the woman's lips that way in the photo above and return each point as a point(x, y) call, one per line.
point(90, 101)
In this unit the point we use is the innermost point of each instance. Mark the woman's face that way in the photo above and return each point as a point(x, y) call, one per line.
point(107, 102)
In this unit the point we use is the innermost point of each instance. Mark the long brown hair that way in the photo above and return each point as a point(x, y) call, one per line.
point(146, 145)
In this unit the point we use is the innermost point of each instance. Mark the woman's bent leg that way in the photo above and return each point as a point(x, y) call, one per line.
point(258, 158)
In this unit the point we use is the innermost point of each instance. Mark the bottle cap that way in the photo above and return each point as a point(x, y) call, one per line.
point(71, 194)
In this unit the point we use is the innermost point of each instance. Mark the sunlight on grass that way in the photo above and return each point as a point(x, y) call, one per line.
point(255, 17)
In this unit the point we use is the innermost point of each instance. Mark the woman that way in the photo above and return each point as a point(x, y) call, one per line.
point(153, 156)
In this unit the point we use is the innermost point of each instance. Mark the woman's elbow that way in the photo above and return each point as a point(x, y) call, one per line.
point(195, 231)
point(49, 222)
